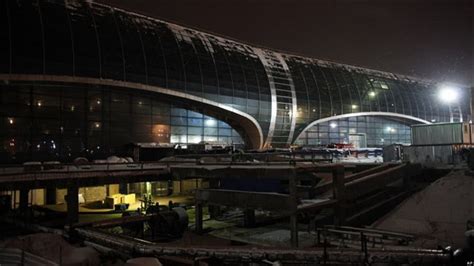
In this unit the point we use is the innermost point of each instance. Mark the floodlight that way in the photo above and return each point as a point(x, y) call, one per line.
point(448, 94)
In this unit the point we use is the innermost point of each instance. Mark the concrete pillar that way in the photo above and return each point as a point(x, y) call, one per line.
point(123, 188)
point(50, 195)
point(294, 230)
point(214, 210)
point(339, 194)
point(198, 218)
point(72, 201)
point(24, 198)
point(292, 183)
point(249, 218)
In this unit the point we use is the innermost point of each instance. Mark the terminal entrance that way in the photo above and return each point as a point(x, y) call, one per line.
point(358, 140)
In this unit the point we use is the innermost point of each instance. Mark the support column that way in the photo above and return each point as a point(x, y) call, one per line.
point(198, 218)
point(50, 195)
point(292, 182)
point(72, 200)
point(123, 188)
point(24, 198)
point(249, 218)
point(339, 194)
point(214, 210)
point(294, 230)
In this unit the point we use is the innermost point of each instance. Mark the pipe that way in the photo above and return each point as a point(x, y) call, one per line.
point(240, 254)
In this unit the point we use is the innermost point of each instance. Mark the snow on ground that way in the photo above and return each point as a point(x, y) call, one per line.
point(438, 214)
point(351, 159)
point(55, 248)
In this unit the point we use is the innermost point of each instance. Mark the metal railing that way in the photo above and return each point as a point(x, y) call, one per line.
point(83, 167)
point(263, 158)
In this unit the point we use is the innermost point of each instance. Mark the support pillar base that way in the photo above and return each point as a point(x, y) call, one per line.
point(72, 200)
point(198, 219)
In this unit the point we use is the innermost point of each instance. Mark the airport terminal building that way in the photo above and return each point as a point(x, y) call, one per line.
point(85, 79)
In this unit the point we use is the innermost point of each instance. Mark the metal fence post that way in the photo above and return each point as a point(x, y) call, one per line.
point(23, 253)
point(325, 254)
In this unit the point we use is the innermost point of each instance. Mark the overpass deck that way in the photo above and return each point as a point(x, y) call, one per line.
point(62, 175)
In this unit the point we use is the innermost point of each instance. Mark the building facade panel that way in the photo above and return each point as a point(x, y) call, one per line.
point(27, 42)
point(57, 35)
point(5, 41)
point(85, 40)
point(40, 123)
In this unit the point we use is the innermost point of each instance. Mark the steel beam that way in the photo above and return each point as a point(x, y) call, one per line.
point(339, 194)
point(245, 199)
point(364, 185)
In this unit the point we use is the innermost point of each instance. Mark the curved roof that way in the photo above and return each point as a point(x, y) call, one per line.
point(282, 92)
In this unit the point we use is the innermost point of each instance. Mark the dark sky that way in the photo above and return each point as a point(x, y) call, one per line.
point(425, 38)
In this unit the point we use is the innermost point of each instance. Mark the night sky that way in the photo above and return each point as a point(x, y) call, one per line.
point(430, 39)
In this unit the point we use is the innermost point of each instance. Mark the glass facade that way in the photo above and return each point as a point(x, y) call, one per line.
point(192, 127)
point(284, 94)
point(371, 130)
point(63, 121)
point(327, 89)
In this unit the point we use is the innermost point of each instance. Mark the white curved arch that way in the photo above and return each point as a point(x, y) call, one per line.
point(139, 86)
point(390, 114)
